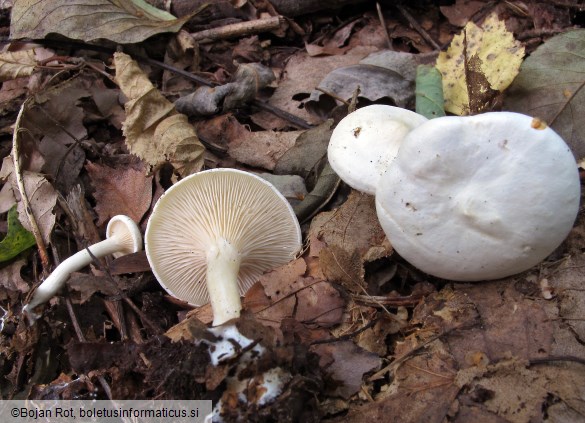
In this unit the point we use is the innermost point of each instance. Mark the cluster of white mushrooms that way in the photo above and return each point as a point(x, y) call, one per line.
point(462, 198)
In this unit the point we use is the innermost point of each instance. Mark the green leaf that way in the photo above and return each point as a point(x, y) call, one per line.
point(17, 239)
point(429, 92)
point(550, 87)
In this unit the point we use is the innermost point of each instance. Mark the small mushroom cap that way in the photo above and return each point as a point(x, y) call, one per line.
point(366, 141)
point(204, 207)
point(126, 233)
point(480, 197)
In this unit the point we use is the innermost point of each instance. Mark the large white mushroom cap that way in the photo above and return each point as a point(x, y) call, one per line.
point(366, 141)
point(479, 197)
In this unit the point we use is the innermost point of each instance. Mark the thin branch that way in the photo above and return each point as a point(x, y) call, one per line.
point(416, 26)
point(240, 29)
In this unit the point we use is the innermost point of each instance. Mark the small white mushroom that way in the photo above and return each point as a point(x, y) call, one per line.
point(366, 141)
point(480, 197)
point(122, 237)
point(211, 235)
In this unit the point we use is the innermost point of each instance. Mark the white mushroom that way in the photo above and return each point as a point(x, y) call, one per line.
point(366, 141)
point(479, 197)
point(122, 237)
point(211, 235)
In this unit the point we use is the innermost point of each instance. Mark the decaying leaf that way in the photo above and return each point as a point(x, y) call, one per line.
point(41, 194)
point(308, 158)
point(154, 131)
point(346, 363)
point(300, 77)
point(10, 278)
point(125, 191)
point(17, 238)
point(291, 186)
point(498, 53)
point(374, 82)
point(286, 293)
point(206, 101)
point(17, 64)
point(560, 59)
point(126, 22)
point(382, 75)
point(353, 236)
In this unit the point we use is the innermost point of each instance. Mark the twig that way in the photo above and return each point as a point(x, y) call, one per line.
point(346, 336)
point(81, 338)
point(240, 29)
point(295, 120)
point(157, 330)
point(20, 182)
point(417, 27)
point(554, 358)
point(383, 24)
point(397, 362)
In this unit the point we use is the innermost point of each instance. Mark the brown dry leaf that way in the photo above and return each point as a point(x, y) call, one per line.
point(346, 364)
point(259, 149)
point(422, 391)
point(462, 11)
point(85, 286)
point(124, 22)
point(154, 131)
point(353, 236)
point(182, 53)
point(301, 75)
point(286, 293)
point(55, 121)
point(41, 195)
point(120, 191)
point(17, 64)
point(511, 323)
point(10, 278)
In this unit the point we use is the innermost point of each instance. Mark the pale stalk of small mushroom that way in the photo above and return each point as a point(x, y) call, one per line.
point(123, 237)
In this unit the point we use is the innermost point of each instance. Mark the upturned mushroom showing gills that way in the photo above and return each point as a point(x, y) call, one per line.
point(480, 197)
point(122, 237)
point(366, 141)
point(211, 235)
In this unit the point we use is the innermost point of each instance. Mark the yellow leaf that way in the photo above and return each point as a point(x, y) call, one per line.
point(499, 53)
point(154, 130)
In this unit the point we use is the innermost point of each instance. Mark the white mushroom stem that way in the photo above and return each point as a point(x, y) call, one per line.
point(57, 279)
point(123, 238)
point(223, 265)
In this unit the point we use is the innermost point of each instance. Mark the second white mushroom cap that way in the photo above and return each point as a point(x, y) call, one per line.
point(366, 141)
point(480, 197)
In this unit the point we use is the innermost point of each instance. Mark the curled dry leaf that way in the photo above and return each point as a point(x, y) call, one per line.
point(125, 22)
point(41, 194)
point(11, 280)
point(247, 82)
point(154, 130)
